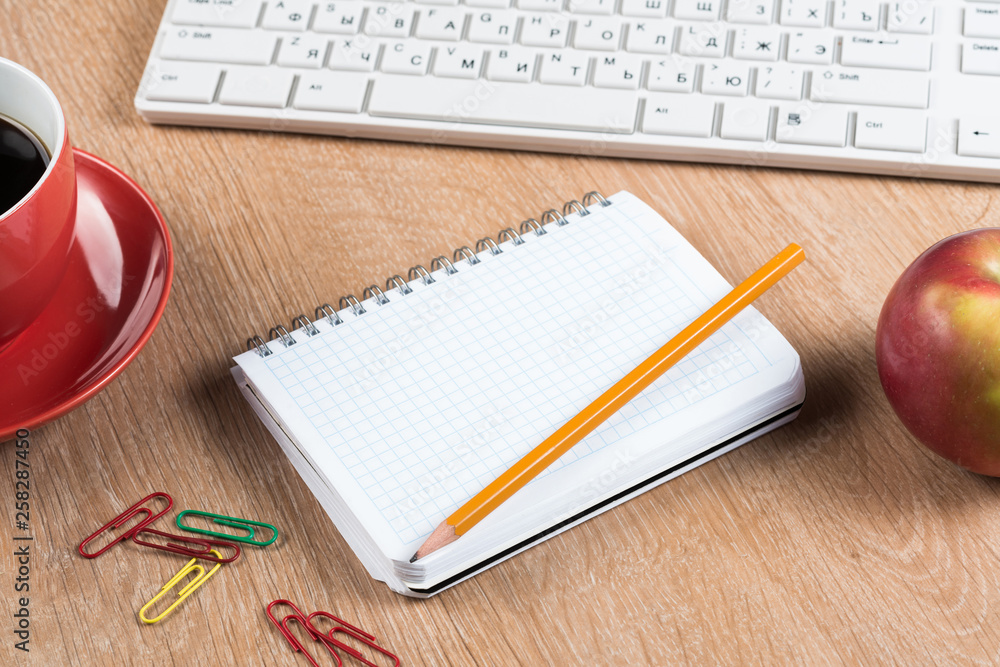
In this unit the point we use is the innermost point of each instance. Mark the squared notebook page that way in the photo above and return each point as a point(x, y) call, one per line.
point(412, 407)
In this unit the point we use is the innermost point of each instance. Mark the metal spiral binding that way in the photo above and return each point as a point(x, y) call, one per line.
point(419, 272)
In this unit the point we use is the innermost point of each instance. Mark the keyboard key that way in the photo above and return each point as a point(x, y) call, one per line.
point(181, 82)
point(219, 45)
point(567, 68)
point(757, 12)
point(803, 13)
point(650, 37)
point(331, 91)
point(779, 82)
point(824, 125)
point(406, 58)
point(394, 19)
point(511, 64)
point(217, 13)
point(857, 14)
point(598, 34)
point(652, 9)
point(672, 75)
point(981, 57)
point(593, 7)
point(290, 15)
point(617, 71)
point(493, 27)
point(444, 24)
point(489, 4)
point(545, 30)
point(756, 44)
point(898, 52)
point(532, 105)
point(679, 115)
point(697, 10)
point(353, 55)
point(982, 20)
point(877, 87)
point(256, 87)
point(811, 48)
point(891, 130)
point(731, 79)
point(463, 61)
point(979, 137)
point(540, 5)
point(306, 51)
point(339, 18)
point(704, 41)
point(745, 120)
point(911, 17)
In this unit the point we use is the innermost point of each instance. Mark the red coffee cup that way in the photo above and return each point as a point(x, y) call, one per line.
point(36, 233)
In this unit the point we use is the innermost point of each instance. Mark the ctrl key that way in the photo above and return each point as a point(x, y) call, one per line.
point(181, 82)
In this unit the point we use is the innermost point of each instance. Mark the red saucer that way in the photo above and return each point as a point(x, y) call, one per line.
point(109, 302)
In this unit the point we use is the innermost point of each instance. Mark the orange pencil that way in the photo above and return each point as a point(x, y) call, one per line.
point(610, 402)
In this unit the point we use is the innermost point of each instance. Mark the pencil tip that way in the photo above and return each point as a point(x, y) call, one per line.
point(413, 559)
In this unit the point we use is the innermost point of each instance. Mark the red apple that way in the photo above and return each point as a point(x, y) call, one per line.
point(937, 348)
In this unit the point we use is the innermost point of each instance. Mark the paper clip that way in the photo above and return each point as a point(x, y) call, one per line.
point(222, 520)
point(205, 552)
point(328, 640)
point(190, 588)
point(125, 516)
point(352, 631)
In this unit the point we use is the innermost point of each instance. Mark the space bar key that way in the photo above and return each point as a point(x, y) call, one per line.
point(500, 103)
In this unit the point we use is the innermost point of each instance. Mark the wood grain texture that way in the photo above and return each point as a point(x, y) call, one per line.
point(835, 540)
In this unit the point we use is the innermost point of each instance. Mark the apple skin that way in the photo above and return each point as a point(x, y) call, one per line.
point(937, 348)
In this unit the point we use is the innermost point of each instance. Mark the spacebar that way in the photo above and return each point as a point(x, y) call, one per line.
point(493, 102)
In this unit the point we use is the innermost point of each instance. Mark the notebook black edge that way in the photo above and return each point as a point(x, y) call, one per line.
point(597, 507)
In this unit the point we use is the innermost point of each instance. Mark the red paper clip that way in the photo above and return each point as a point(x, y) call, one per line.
point(351, 631)
point(125, 516)
point(203, 553)
point(328, 640)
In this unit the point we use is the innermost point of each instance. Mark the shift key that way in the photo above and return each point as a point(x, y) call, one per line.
point(219, 45)
point(866, 86)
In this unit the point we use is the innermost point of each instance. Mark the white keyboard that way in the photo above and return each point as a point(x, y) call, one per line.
point(906, 88)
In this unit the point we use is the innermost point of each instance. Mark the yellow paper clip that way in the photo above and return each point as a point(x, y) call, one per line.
point(191, 587)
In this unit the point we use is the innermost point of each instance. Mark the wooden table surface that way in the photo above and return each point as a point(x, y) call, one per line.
point(837, 539)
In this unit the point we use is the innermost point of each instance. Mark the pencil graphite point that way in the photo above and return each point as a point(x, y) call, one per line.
point(443, 535)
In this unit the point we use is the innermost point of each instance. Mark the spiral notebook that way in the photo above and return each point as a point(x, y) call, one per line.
point(397, 407)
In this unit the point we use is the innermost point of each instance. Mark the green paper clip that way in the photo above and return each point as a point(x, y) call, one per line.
point(223, 520)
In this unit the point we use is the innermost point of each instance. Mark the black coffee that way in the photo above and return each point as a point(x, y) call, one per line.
point(23, 160)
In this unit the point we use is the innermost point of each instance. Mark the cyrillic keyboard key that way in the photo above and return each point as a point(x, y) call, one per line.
point(182, 82)
point(650, 37)
point(810, 47)
point(757, 44)
point(981, 56)
point(340, 18)
point(219, 45)
point(899, 52)
point(891, 130)
point(217, 13)
point(306, 51)
point(868, 86)
point(672, 75)
point(756, 12)
point(406, 57)
point(679, 115)
point(803, 13)
point(653, 9)
point(727, 78)
point(459, 60)
point(705, 40)
point(256, 87)
point(697, 10)
point(331, 91)
point(511, 64)
point(290, 15)
point(444, 23)
point(823, 125)
point(979, 137)
point(489, 102)
point(617, 70)
point(857, 15)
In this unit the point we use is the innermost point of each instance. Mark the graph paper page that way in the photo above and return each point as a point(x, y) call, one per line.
point(415, 405)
